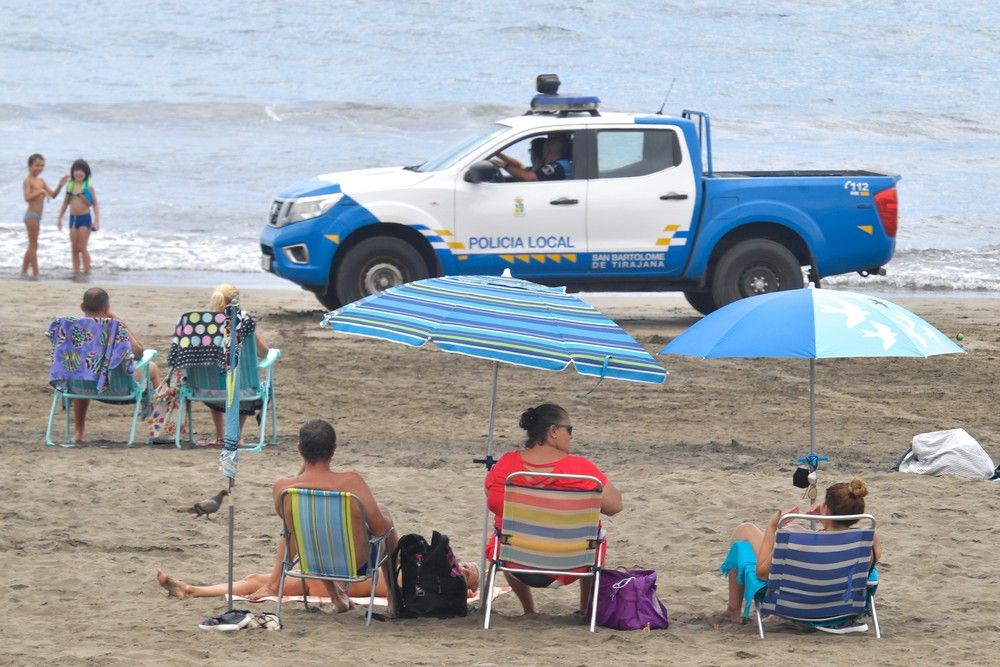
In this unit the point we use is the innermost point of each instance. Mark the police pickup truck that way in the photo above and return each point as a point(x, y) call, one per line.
point(570, 195)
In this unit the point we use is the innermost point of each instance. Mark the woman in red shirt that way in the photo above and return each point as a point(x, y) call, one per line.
point(546, 449)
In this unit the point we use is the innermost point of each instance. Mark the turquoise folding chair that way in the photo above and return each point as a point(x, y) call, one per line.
point(121, 389)
point(556, 532)
point(822, 578)
point(322, 532)
point(207, 383)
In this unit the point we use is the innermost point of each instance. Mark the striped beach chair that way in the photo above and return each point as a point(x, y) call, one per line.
point(322, 532)
point(549, 531)
point(821, 578)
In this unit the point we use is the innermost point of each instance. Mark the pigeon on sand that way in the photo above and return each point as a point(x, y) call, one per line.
point(206, 507)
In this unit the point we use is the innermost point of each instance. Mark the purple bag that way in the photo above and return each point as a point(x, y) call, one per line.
point(626, 600)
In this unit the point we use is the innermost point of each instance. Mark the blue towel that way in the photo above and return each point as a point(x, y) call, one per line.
point(741, 557)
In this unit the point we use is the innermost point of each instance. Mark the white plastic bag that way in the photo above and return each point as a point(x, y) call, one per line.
point(951, 452)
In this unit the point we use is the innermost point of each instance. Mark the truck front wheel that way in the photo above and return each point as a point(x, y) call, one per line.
point(377, 264)
point(754, 267)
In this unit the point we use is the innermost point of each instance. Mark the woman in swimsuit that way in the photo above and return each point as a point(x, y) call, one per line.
point(35, 191)
point(80, 198)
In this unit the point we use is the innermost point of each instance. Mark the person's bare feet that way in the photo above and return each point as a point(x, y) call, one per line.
point(265, 591)
point(177, 589)
point(732, 615)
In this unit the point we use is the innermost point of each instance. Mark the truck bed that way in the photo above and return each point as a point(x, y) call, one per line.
point(796, 172)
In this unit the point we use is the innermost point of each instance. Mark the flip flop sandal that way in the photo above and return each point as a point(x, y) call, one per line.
point(208, 442)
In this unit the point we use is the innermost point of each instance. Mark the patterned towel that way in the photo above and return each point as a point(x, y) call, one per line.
point(84, 348)
point(200, 339)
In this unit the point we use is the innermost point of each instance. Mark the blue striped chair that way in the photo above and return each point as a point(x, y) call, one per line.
point(549, 531)
point(320, 531)
point(208, 383)
point(821, 578)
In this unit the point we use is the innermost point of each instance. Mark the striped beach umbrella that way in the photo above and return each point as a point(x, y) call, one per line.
point(500, 319)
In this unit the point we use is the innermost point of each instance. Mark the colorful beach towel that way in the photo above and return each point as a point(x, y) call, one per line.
point(200, 339)
point(88, 349)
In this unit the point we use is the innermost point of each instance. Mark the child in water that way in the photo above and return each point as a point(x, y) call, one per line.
point(35, 191)
point(80, 198)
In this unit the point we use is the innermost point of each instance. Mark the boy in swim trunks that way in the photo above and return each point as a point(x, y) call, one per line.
point(35, 191)
point(80, 197)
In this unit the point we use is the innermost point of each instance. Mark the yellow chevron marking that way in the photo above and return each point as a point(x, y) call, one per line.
point(540, 258)
point(555, 258)
point(456, 245)
point(665, 241)
point(333, 237)
point(867, 229)
point(524, 258)
point(571, 258)
point(507, 258)
point(463, 257)
point(671, 228)
point(442, 232)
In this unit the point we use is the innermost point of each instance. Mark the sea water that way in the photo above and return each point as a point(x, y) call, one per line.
point(193, 115)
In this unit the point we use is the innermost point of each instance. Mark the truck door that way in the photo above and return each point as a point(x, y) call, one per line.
point(536, 228)
point(641, 200)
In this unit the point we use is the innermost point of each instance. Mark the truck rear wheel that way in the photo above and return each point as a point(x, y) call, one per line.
point(701, 301)
point(754, 267)
point(377, 264)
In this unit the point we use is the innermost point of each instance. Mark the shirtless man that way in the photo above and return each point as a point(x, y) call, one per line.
point(35, 191)
point(97, 304)
point(317, 443)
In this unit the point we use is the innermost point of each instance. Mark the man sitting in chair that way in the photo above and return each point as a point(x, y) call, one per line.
point(317, 444)
point(96, 304)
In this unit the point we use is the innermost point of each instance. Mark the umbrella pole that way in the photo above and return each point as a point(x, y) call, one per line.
point(812, 406)
point(232, 534)
point(488, 462)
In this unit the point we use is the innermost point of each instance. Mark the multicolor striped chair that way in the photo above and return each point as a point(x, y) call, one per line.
point(549, 531)
point(322, 532)
point(821, 578)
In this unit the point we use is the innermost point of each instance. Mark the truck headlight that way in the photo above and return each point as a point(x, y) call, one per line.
point(310, 207)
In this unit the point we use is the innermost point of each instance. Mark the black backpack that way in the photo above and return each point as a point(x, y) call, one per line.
point(432, 584)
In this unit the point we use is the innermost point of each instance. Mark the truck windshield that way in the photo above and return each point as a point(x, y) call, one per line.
point(456, 151)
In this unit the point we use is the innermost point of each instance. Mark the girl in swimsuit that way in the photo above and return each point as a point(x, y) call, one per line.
point(35, 191)
point(80, 198)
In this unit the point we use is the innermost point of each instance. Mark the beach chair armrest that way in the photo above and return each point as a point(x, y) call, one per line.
point(147, 357)
point(272, 356)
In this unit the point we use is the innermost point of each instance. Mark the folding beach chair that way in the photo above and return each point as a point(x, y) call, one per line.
point(821, 578)
point(556, 532)
point(322, 531)
point(118, 386)
point(205, 380)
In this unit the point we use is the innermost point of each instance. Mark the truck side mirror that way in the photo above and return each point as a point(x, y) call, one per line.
point(482, 171)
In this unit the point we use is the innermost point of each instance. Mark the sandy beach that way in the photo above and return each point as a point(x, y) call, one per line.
point(82, 530)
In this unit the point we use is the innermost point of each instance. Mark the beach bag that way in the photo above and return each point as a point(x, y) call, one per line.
point(431, 582)
point(626, 600)
point(162, 420)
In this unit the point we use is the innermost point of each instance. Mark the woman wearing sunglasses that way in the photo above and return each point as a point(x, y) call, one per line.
point(546, 450)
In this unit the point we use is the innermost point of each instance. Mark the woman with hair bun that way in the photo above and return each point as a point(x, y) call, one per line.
point(752, 545)
point(547, 450)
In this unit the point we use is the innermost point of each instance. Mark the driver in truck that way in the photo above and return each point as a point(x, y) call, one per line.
point(555, 166)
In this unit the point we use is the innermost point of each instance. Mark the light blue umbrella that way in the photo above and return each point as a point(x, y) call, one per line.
point(811, 324)
point(500, 319)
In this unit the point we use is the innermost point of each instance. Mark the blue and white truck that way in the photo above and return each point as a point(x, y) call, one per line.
point(639, 207)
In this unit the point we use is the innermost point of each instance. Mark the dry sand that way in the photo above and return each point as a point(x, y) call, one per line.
point(83, 529)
